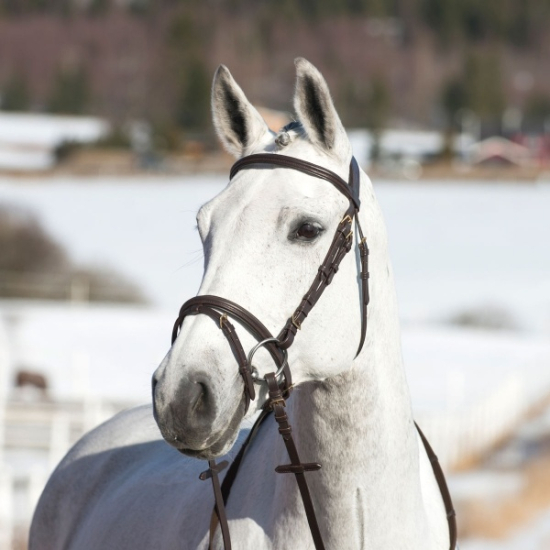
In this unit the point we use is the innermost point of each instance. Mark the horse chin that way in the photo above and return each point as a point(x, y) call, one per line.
point(219, 448)
point(219, 444)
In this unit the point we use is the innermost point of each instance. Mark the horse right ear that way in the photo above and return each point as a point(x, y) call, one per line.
point(238, 124)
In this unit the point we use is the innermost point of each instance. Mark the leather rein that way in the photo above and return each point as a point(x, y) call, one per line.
point(279, 383)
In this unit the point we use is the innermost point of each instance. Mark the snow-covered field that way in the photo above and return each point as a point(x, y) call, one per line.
point(28, 140)
point(456, 248)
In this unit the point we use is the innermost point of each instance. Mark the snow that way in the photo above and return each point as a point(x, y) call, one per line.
point(112, 351)
point(411, 144)
point(454, 246)
point(25, 158)
point(453, 369)
point(41, 130)
point(86, 351)
point(142, 227)
point(28, 140)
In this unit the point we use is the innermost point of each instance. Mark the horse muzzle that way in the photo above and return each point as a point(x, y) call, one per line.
point(195, 418)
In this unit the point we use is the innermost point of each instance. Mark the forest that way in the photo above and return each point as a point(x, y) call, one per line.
point(399, 62)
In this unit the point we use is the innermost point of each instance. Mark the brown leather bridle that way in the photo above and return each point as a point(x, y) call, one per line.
point(220, 310)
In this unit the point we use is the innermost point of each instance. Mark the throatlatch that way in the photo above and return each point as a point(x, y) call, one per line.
point(220, 309)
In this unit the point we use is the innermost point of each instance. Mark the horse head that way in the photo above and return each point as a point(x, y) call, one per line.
point(264, 238)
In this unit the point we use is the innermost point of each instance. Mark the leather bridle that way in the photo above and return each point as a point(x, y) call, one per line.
point(279, 387)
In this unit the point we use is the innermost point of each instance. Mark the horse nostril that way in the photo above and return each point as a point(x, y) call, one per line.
point(200, 398)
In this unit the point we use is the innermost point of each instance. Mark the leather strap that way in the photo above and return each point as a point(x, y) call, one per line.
point(233, 470)
point(443, 489)
point(219, 508)
point(350, 191)
point(365, 296)
point(231, 475)
point(296, 467)
point(218, 309)
point(341, 245)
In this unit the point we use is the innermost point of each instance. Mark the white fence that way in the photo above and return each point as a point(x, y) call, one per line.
point(462, 436)
point(34, 436)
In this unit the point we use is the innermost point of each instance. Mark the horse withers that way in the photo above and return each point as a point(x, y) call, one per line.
point(123, 486)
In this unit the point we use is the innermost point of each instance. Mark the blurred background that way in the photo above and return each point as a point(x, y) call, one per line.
point(107, 152)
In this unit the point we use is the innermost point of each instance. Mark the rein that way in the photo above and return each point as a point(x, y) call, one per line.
point(279, 387)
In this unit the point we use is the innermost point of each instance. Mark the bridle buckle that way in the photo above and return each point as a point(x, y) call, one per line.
point(279, 401)
point(295, 321)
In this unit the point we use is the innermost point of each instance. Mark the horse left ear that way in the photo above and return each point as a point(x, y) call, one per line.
point(238, 124)
point(316, 111)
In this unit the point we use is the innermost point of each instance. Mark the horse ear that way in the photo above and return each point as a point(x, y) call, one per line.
point(238, 124)
point(316, 111)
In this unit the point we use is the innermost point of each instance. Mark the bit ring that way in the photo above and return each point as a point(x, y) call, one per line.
point(255, 375)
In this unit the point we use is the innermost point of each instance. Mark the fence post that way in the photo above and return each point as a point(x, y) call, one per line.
point(6, 507)
point(59, 437)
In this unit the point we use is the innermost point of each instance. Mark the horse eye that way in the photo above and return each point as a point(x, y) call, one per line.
point(307, 232)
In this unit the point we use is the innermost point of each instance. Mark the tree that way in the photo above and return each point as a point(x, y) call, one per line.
point(70, 93)
point(194, 99)
point(15, 95)
point(484, 87)
point(377, 112)
point(454, 96)
point(99, 8)
point(537, 111)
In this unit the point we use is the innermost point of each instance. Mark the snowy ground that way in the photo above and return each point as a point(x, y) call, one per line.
point(28, 140)
point(454, 246)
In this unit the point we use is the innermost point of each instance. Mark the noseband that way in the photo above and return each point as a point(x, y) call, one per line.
point(279, 383)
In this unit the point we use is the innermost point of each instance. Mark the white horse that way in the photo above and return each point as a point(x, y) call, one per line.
point(122, 487)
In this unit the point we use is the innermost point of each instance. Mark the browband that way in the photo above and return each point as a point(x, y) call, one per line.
point(351, 191)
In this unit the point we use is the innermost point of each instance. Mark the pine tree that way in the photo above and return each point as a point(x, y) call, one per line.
point(70, 93)
point(15, 95)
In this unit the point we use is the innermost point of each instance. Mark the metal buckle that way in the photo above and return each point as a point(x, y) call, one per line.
point(295, 321)
point(255, 375)
point(279, 401)
point(223, 319)
point(346, 218)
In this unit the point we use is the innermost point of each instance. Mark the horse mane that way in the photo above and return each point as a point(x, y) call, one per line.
point(288, 133)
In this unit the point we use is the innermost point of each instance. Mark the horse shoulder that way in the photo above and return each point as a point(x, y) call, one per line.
point(88, 483)
point(122, 486)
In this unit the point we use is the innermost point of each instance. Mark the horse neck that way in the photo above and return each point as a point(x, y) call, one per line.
point(359, 425)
